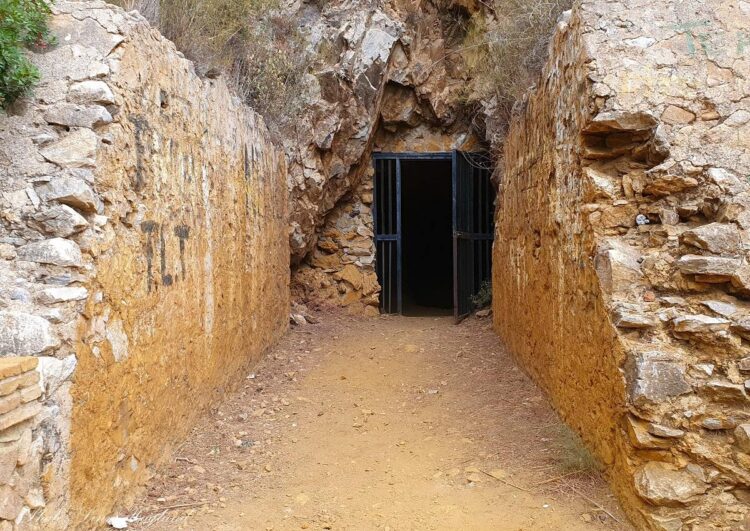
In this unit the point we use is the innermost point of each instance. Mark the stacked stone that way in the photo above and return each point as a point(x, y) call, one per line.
point(672, 267)
point(671, 220)
point(20, 449)
point(341, 268)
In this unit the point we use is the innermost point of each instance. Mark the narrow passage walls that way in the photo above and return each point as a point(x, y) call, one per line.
point(620, 260)
point(144, 255)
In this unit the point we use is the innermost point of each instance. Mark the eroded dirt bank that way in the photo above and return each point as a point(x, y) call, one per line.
point(381, 423)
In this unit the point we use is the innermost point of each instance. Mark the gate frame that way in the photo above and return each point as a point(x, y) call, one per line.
point(398, 157)
point(447, 156)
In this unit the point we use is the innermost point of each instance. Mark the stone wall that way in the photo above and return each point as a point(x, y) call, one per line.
point(621, 250)
point(144, 251)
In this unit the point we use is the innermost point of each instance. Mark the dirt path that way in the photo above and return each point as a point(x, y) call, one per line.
point(387, 423)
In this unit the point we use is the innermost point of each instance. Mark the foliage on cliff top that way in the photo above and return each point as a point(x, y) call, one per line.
point(506, 47)
point(23, 24)
point(248, 41)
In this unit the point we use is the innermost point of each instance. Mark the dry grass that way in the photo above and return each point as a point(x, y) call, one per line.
point(258, 50)
point(572, 454)
point(506, 47)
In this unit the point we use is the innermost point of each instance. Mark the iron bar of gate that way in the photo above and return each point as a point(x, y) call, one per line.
point(399, 242)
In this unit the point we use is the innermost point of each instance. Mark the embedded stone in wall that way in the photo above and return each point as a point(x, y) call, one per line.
point(55, 251)
point(341, 269)
point(662, 484)
point(23, 334)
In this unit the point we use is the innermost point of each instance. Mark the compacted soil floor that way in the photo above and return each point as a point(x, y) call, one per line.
point(387, 423)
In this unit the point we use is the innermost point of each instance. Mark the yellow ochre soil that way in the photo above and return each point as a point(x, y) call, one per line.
point(387, 423)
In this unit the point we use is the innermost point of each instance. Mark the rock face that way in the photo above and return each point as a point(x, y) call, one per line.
point(394, 85)
point(620, 260)
point(143, 260)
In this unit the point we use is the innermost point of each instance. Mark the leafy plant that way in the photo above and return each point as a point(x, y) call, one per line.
point(23, 24)
point(483, 297)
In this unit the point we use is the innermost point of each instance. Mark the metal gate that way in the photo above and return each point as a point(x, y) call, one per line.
point(473, 228)
point(386, 212)
point(473, 216)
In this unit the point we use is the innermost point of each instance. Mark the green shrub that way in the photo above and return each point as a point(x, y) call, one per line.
point(23, 24)
point(506, 47)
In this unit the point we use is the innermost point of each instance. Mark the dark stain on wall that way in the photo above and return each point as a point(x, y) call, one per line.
point(166, 278)
point(150, 228)
point(183, 233)
point(140, 125)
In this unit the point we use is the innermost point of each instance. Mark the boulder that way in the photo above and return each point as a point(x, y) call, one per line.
point(619, 216)
point(56, 251)
point(726, 180)
point(675, 115)
point(629, 316)
point(688, 325)
point(611, 121)
point(741, 327)
point(662, 185)
point(63, 294)
point(400, 105)
point(72, 115)
point(665, 485)
point(641, 438)
point(54, 372)
point(666, 432)
point(599, 185)
point(23, 334)
point(741, 279)
point(618, 267)
point(352, 275)
point(722, 391)
point(725, 309)
point(718, 424)
point(718, 238)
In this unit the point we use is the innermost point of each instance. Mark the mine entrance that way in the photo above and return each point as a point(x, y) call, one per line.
point(434, 227)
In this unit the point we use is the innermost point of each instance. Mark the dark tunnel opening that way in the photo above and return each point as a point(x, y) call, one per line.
point(427, 237)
